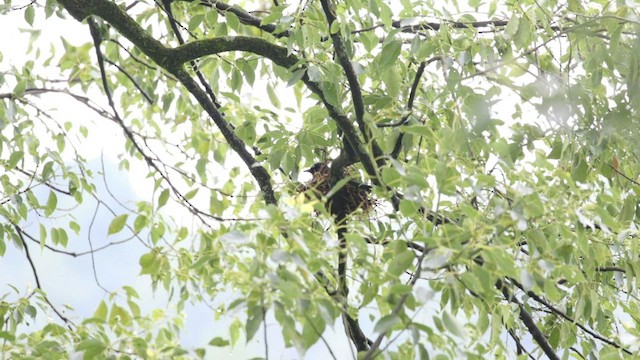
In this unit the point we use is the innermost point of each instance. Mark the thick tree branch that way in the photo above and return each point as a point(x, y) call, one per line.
point(97, 40)
point(280, 56)
point(520, 348)
point(165, 57)
point(118, 19)
point(258, 171)
point(412, 97)
point(563, 315)
point(174, 26)
point(351, 324)
point(247, 18)
point(528, 321)
point(244, 17)
point(173, 59)
point(354, 84)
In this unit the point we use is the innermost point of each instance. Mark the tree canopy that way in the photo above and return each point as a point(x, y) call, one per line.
point(472, 187)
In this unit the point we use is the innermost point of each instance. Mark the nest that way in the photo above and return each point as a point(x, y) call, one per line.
point(350, 197)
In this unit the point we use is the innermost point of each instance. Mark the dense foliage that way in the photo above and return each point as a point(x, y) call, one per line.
point(491, 148)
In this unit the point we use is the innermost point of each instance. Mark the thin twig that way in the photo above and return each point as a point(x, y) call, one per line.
point(69, 323)
point(132, 79)
point(93, 259)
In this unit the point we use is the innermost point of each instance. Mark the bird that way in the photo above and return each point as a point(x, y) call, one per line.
point(344, 201)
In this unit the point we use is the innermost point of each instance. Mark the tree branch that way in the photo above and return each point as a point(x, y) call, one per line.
point(245, 17)
point(132, 79)
point(174, 26)
point(354, 85)
point(166, 58)
point(528, 321)
point(258, 171)
point(351, 325)
point(520, 348)
point(37, 278)
point(557, 312)
point(172, 60)
point(412, 96)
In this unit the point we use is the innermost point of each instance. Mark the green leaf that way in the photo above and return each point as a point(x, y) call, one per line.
point(628, 209)
point(91, 348)
point(59, 236)
point(556, 150)
point(274, 16)
point(135, 309)
point(163, 198)
point(191, 194)
point(272, 96)
point(195, 22)
point(334, 28)
point(392, 81)
point(218, 341)
point(234, 331)
point(14, 159)
point(5, 335)
point(75, 227)
point(579, 168)
point(253, 321)
point(146, 261)
point(314, 73)
point(102, 311)
point(47, 170)
point(232, 21)
point(31, 311)
point(117, 224)
point(29, 14)
point(297, 75)
point(389, 54)
point(139, 223)
point(43, 234)
point(20, 88)
point(408, 208)
point(400, 263)
point(52, 204)
point(421, 130)
point(385, 323)
point(452, 324)
point(391, 176)
point(131, 292)
point(512, 26)
point(312, 329)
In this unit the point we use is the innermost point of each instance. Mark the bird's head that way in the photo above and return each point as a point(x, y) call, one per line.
point(318, 167)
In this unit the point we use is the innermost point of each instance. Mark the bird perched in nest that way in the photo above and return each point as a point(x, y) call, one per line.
point(349, 197)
